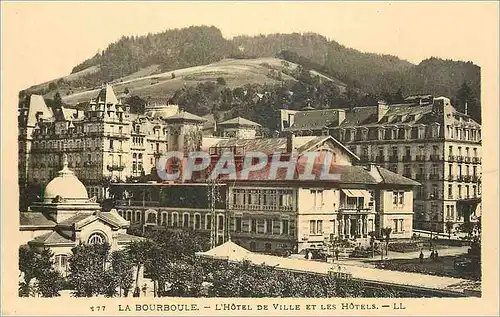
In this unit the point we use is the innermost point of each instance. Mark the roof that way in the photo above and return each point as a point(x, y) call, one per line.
point(125, 237)
point(107, 94)
point(239, 121)
point(395, 179)
point(35, 219)
point(314, 119)
point(265, 145)
point(75, 219)
point(82, 219)
point(37, 105)
point(185, 116)
point(228, 250)
point(54, 237)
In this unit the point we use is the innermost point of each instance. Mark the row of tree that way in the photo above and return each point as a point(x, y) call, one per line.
point(168, 259)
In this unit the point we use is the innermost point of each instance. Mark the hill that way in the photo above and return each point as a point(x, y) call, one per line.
point(143, 64)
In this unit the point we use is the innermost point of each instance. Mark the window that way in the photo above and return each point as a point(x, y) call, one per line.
point(208, 222)
point(96, 238)
point(398, 198)
point(238, 224)
point(459, 191)
point(253, 225)
point(317, 198)
point(175, 220)
point(316, 227)
point(450, 150)
point(185, 220)
point(452, 212)
point(197, 221)
point(450, 191)
point(467, 191)
point(450, 169)
point(61, 263)
point(220, 222)
point(269, 226)
point(284, 226)
point(164, 217)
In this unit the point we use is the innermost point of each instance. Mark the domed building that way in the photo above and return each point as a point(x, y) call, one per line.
point(65, 216)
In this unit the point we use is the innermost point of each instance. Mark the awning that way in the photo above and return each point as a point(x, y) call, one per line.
point(357, 193)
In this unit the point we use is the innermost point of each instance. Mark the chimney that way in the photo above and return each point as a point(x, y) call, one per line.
point(382, 109)
point(290, 142)
point(466, 110)
point(341, 115)
point(374, 172)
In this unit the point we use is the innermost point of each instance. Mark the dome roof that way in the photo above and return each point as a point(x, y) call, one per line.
point(66, 185)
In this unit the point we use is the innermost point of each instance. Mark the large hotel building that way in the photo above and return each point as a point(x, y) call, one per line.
point(424, 138)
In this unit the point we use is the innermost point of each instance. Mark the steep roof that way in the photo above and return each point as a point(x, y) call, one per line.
point(37, 105)
point(239, 121)
point(107, 94)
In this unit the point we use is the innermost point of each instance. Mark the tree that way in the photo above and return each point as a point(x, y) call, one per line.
point(138, 252)
point(88, 274)
point(58, 100)
point(386, 235)
point(52, 86)
point(173, 75)
point(126, 91)
point(37, 265)
point(123, 269)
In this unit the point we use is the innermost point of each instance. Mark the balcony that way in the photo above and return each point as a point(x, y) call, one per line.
point(475, 179)
point(420, 176)
point(434, 177)
point(451, 158)
point(116, 135)
point(460, 158)
point(467, 159)
point(380, 159)
point(116, 167)
point(433, 196)
point(435, 157)
point(467, 178)
point(420, 158)
point(476, 160)
point(460, 178)
point(451, 177)
point(353, 209)
point(407, 158)
point(407, 175)
point(450, 196)
point(393, 159)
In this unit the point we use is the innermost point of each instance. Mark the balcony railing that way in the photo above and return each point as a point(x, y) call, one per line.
point(467, 159)
point(451, 158)
point(435, 157)
point(460, 158)
point(407, 158)
point(407, 175)
point(450, 196)
point(434, 196)
point(467, 178)
point(116, 135)
point(451, 177)
point(116, 167)
point(475, 178)
point(420, 157)
point(420, 176)
point(460, 178)
point(380, 159)
point(261, 207)
point(476, 160)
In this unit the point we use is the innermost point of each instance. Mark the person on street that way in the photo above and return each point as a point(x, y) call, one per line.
point(421, 257)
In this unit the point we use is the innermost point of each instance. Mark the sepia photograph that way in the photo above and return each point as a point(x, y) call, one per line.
point(206, 158)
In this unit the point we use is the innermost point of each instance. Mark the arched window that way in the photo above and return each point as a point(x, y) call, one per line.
point(185, 220)
point(175, 220)
point(164, 216)
point(96, 238)
point(61, 263)
point(197, 221)
point(151, 218)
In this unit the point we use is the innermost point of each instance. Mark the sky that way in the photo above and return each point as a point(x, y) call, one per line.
point(49, 39)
